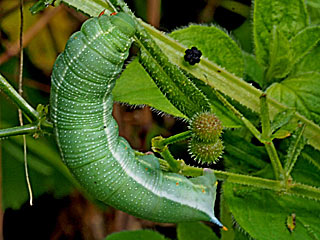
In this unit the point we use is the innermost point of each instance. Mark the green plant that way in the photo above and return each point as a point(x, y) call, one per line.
point(266, 182)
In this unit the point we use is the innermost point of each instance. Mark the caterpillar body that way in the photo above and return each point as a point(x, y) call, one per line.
point(87, 135)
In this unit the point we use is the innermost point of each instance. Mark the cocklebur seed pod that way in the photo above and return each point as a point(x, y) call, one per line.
point(206, 127)
point(206, 152)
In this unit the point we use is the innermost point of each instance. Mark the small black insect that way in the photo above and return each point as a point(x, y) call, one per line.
point(192, 55)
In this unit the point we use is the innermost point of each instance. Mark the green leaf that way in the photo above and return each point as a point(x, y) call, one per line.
point(215, 44)
point(300, 92)
point(253, 70)
point(139, 235)
point(280, 56)
point(195, 230)
point(241, 155)
point(288, 16)
point(40, 5)
point(306, 169)
point(308, 63)
point(234, 232)
point(311, 155)
point(281, 134)
point(282, 118)
point(137, 88)
point(243, 35)
point(313, 7)
point(297, 143)
point(92, 8)
point(304, 41)
point(263, 213)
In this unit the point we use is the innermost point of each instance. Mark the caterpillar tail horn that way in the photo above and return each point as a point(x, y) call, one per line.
point(217, 222)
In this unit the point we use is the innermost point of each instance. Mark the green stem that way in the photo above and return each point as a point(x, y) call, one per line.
point(266, 133)
point(162, 142)
point(173, 163)
point(236, 7)
point(191, 171)
point(30, 113)
point(265, 118)
point(249, 180)
point(239, 115)
point(20, 130)
point(298, 189)
point(275, 161)
point(304, 191)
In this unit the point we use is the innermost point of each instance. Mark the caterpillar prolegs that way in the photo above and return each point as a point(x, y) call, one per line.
point(87, 135)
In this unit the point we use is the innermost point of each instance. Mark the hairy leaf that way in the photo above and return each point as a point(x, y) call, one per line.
point(215, 44)
point(264, 213)
point(281, 119)
point(289, 17)
point(136, 87)
point(139, 234)
point(300, 92)
point(195, 230)
point(308, 63)
point(253, 70)
point(304, 41)
point(313, 7)
point(280, 56)
point(243, 35)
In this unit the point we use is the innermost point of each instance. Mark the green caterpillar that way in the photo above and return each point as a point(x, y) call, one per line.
point(87, 135)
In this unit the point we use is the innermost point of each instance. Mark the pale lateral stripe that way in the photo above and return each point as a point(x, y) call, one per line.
point(139, 180)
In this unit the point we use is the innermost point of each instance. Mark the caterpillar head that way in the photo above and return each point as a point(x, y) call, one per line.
point(124, 22)
point(206, 127)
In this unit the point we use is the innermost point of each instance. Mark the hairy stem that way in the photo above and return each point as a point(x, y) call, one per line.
point(160, 142)
point(275, 161)
point(173, 163)
point(297, 189)
point(266, 133)
point(239, 115)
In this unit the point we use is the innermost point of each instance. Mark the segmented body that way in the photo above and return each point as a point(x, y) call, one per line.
point(87, 135)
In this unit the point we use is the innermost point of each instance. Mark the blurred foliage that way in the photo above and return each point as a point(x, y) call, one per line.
point(45, 45)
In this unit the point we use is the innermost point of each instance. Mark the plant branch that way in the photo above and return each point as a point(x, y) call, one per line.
point(236, 7)
point(20, 130)
point(266, 133)
point(298, 189)
point(173, 163)
point(31, 113)
point(159, 142)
